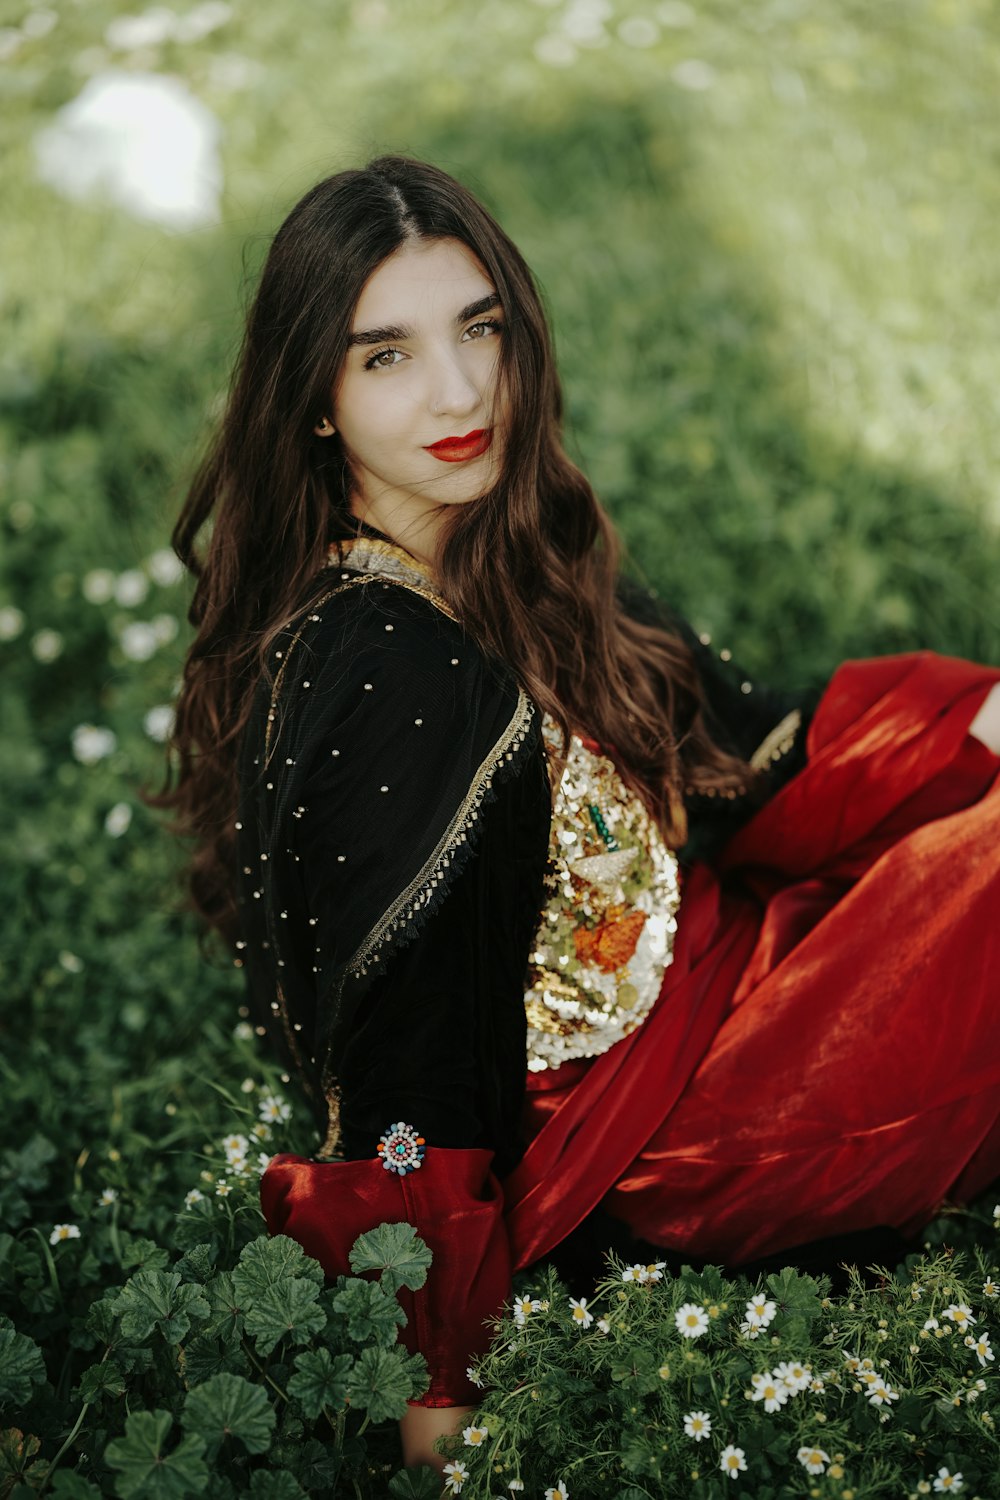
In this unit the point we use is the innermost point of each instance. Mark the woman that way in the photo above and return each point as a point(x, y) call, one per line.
point(442, 760)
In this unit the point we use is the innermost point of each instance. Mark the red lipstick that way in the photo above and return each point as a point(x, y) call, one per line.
point(455, 450)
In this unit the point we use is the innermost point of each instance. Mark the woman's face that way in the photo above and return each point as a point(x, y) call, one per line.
point(418, 404)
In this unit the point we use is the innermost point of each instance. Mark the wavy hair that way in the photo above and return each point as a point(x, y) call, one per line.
point(531, 568)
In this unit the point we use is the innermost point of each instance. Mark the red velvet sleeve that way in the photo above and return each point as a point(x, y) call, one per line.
point(454, 1202)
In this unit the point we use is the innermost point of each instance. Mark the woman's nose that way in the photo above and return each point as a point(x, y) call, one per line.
point(452, 390)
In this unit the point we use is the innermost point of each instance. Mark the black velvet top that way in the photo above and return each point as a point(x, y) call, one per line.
point(393, 836)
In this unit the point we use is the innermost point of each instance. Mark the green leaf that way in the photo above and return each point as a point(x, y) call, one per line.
point(204, 1357)
point(21, 1365)
point(320, 1380)
point(157, 1299)
point(104, 1379)
point(199, 1263)
point(416, 1484)
point(226, 1317)
point(371, 1313)
point(146, 1254)
point(229, 1406)
point(275, 1484)
point(381, 1383)
point(269, 1260)
point(197, 1225)
point(145, 1470)
point(397, 1252)
point(27, 1166)
point(67, 1485)
point(314, 1464)
point(287, 1309)
point(795, 1292)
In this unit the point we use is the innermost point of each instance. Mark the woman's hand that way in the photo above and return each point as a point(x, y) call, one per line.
point(986, 725)
point(422, 1425)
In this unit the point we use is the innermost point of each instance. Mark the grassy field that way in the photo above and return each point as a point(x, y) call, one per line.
point(765, 235)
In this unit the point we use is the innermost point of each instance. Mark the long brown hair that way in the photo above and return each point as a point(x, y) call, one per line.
point(530, 568)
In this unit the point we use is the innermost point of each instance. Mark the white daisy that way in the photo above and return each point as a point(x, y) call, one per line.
point(795, 1376)
point(273, 1108)
point(193, 1197)
point(990, 1287)
point(557, 1491)
point(760, 1311)
point(222, 1188)
point(516, 1484)
point(733, 1461)
point(880, 1394)
point(959, 1314)
point(635, 1273)
point(654, 1271)
point(473, 1376)
point(982, 1347)
point(523, 1308)
point(749, 1331)
point(472, 1437)
point(108, 1195)
point(64, 1232)
point(697, 1425)
point(579, 1312)
point(813, 1460)
point(931, 1324)
point(947, 1483)
point(455, 1476)
point(691, 1320)
point(769, 1389)
point(603, 1326)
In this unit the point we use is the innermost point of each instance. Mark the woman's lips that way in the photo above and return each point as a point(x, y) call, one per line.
point(455, 450)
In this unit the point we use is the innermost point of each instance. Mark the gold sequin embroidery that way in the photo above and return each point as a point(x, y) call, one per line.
point(607, 929)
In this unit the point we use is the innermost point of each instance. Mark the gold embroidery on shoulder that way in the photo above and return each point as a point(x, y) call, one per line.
point(421, 888)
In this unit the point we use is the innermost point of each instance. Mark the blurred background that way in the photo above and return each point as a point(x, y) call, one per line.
point(766, 235)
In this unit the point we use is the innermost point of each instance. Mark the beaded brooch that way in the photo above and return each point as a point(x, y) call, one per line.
point(401, 1149)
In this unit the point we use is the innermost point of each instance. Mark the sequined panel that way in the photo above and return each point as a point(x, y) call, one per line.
point(607, 930)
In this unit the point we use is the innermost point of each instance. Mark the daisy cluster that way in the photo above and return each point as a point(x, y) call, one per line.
point(829, 1349)
point(243, 1160)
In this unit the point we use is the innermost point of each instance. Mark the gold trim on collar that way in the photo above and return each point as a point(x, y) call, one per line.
point(368, 554)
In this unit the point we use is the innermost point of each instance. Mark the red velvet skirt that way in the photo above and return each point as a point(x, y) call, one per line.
point(825, 1053)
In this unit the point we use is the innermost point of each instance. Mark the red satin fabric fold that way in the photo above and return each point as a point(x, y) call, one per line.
point(823, 1056)
point(455, 1203)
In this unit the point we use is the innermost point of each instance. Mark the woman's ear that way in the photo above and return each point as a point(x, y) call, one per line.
point(324, 428)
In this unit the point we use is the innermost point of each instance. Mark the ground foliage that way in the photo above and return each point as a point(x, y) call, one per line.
point(764, 235)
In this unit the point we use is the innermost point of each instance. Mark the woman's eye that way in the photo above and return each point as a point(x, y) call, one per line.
point(485, 326)
point(380, 361)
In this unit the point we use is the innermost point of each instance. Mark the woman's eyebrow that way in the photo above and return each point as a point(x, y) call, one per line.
point(386, 335)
